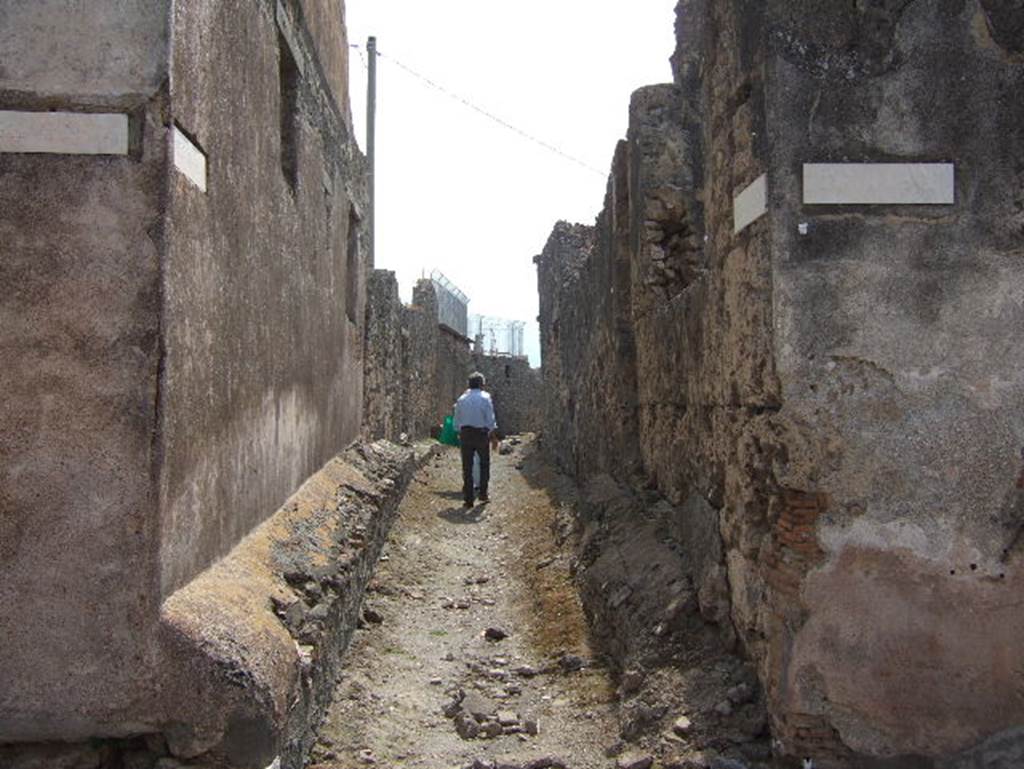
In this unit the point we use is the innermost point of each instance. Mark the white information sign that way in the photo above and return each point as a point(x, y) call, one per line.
point(879, 183)
point(751, 204)
point(65, 133)
point(189, 159)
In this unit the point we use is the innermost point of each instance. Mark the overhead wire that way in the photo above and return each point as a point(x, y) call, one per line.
point(486, 113)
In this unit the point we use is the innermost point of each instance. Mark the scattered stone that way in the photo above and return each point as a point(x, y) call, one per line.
point(526, 671)
point(571, 662)
point(490, 729)
point(724, 708)
point(615, 749)
point(436, 682)
point(639, 718)
point(452, 708)
point(531, 726)
point(682, 726)
point(507, 718)
point(305, 656)
point(504, 449)
point(631, 682)
point(545, 562)
point(634, 761)
point(313, 590)
point(372, 616)
point(495, 634)
point(478, 706)
point(547, 762)
point(684, 763)
point(466, 726)
point(462, 603)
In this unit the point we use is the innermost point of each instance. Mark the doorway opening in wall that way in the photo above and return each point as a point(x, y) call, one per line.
point(352, 265)
point(288, 81)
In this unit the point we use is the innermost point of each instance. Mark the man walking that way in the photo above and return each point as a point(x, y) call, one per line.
point(474, 418)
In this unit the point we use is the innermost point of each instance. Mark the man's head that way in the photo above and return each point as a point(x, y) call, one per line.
point(476, 381)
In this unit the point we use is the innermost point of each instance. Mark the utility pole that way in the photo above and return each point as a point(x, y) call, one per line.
point(371, 123)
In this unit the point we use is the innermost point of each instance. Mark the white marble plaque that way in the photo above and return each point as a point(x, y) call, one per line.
point(879, 183)
point(65, 133)
point(189, 159)
point(751, 204)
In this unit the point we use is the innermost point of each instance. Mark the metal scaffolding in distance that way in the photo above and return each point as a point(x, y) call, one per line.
point(498, 336)
point(451, 303)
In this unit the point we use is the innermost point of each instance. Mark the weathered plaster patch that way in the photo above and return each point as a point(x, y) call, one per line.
point(907, 656)
point(879, 184)
point(66, 133)
point(893, 535)
point(189, 159)
point(751, 204)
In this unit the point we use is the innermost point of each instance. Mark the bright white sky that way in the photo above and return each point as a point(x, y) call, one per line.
point(460, 193)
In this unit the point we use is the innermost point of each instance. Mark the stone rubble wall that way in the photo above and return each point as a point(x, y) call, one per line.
point(385, 391)
point(267, 626)
point(832, 390)
point(415, 368)
point(515, 389)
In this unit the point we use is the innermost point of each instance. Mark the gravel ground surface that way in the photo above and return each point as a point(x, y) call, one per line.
point(475, 646)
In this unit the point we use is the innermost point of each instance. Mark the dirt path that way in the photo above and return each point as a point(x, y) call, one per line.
point(447, 576)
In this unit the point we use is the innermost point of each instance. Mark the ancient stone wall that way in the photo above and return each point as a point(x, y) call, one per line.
point(823, 369)
point(385, 390)
point(415, 367)
point(515, 389)
point(589, 370)
point(80, 352)
point(246, 374)
point(182, 303)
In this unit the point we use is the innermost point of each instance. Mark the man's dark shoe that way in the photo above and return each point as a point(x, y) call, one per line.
point(469, 504)
point(484, 498)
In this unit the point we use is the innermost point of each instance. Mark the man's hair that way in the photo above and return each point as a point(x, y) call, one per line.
point(476, 380)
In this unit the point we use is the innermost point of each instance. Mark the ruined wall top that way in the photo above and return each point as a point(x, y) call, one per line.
point(325, 20)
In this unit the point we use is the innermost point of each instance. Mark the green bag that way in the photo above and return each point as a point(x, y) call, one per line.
point(448, 435)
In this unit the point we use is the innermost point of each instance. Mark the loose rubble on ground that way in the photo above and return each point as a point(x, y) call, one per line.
point(475, 650)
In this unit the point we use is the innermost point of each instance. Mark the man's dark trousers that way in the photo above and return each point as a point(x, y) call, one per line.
point(475, 440)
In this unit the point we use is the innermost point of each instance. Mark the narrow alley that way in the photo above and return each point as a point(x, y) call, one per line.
point(471, 612)
point(474, 649)
point(743, 283)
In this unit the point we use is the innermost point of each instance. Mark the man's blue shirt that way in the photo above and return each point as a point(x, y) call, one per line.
point(474, 409)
